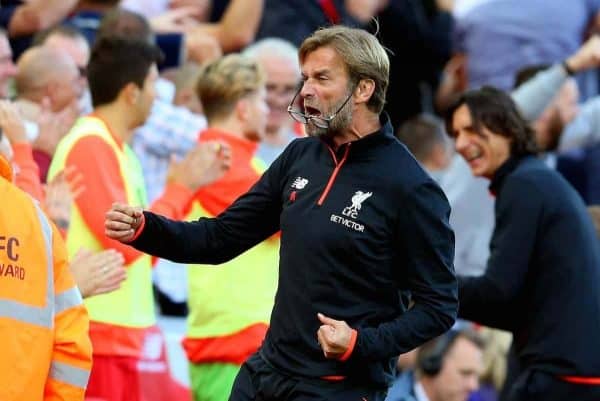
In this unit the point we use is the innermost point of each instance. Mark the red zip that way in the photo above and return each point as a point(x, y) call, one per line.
point(336, 170)
point(592, 381)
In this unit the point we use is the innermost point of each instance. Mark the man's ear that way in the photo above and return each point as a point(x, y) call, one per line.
point(242, 111)
point(131, 92)
point(364, 90)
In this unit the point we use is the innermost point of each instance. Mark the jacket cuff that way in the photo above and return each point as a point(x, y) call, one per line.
point(139, 230)
point(350, 349)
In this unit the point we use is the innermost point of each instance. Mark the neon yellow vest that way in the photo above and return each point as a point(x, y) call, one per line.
point(227, 298)
point(132, 305)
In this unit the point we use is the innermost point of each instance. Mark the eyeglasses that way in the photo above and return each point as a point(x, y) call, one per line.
point(318, 121)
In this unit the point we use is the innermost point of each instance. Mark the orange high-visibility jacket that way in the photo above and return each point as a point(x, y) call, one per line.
point(45, 350)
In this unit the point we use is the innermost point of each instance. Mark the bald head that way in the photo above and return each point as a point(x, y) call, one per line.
point(44, 71)
point(40, 65)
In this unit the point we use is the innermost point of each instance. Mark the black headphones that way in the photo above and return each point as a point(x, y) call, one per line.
point(430, 359)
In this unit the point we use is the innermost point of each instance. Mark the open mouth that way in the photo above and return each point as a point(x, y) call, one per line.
point(312, 111)
point(473, 155)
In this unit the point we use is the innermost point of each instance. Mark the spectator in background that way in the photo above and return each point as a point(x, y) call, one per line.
point(238, 25)
point(24, 18)
point(569, 133)
point(173, 30)
point(232, 23)
point(222, 335)
point(447, 369)
point(153, 8)
point(295, 20)
point(47, 74)
point(279, 59)
point(472, 206)
point(170, 131)
point(534, 285)
point(49, 89)
point(418, 36)
point(523, 33)
point(28, 17)
point(561, 110)
point(70, 40)
point(121, 76)
point(185, 79)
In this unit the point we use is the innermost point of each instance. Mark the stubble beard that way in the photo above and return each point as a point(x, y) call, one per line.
point(340, 122)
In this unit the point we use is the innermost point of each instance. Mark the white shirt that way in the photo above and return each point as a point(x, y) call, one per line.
point(420, 392)
point(472, 217)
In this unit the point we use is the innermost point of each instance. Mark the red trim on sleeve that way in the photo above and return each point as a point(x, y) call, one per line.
point(139, 230)
point(348, 352)
point(96, 161)
point(333, 378)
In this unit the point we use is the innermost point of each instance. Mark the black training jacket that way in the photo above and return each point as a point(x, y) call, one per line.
point(542, 281)
point(359, 228)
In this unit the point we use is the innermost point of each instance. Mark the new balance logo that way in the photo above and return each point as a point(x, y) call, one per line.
point(299, 183)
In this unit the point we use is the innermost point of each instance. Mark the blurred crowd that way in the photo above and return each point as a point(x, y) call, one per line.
point(179, 106)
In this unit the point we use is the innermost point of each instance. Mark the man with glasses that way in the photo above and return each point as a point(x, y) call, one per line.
point(361, 224)
point(279, 59)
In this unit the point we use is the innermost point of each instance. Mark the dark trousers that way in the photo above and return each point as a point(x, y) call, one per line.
point(257, 381)
point(533, 385)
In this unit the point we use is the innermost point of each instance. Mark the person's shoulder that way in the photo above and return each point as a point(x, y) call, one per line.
point(534, 179)
point(91, 144)
point(299, 146)
point(532, 171)
point(401, 165)
point(13, 195)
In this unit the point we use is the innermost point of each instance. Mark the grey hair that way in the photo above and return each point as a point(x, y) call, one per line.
point(273, 47)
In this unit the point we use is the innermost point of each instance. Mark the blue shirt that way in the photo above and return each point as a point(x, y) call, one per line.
point(503, 36)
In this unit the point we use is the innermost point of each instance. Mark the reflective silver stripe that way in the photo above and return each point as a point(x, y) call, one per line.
point(39, 316)
point(67, 300)
point(68, 374)
point(47, 231)
point(26, 313)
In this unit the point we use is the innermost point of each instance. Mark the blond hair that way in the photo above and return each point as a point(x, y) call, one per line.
point(223, 82)
point(363, 56)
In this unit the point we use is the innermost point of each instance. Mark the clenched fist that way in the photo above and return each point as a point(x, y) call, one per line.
point(122, 221)
point(335, 337)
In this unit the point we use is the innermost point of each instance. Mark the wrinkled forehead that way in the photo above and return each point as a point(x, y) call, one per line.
point(323, 59)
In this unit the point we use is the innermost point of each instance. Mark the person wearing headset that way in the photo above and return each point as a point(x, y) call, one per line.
point(447, 369)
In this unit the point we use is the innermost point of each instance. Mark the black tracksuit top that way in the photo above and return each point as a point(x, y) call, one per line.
point(359, 228)
point(542, 281)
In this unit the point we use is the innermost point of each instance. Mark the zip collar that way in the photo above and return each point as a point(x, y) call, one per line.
point(362, 145)
point(369, 141)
